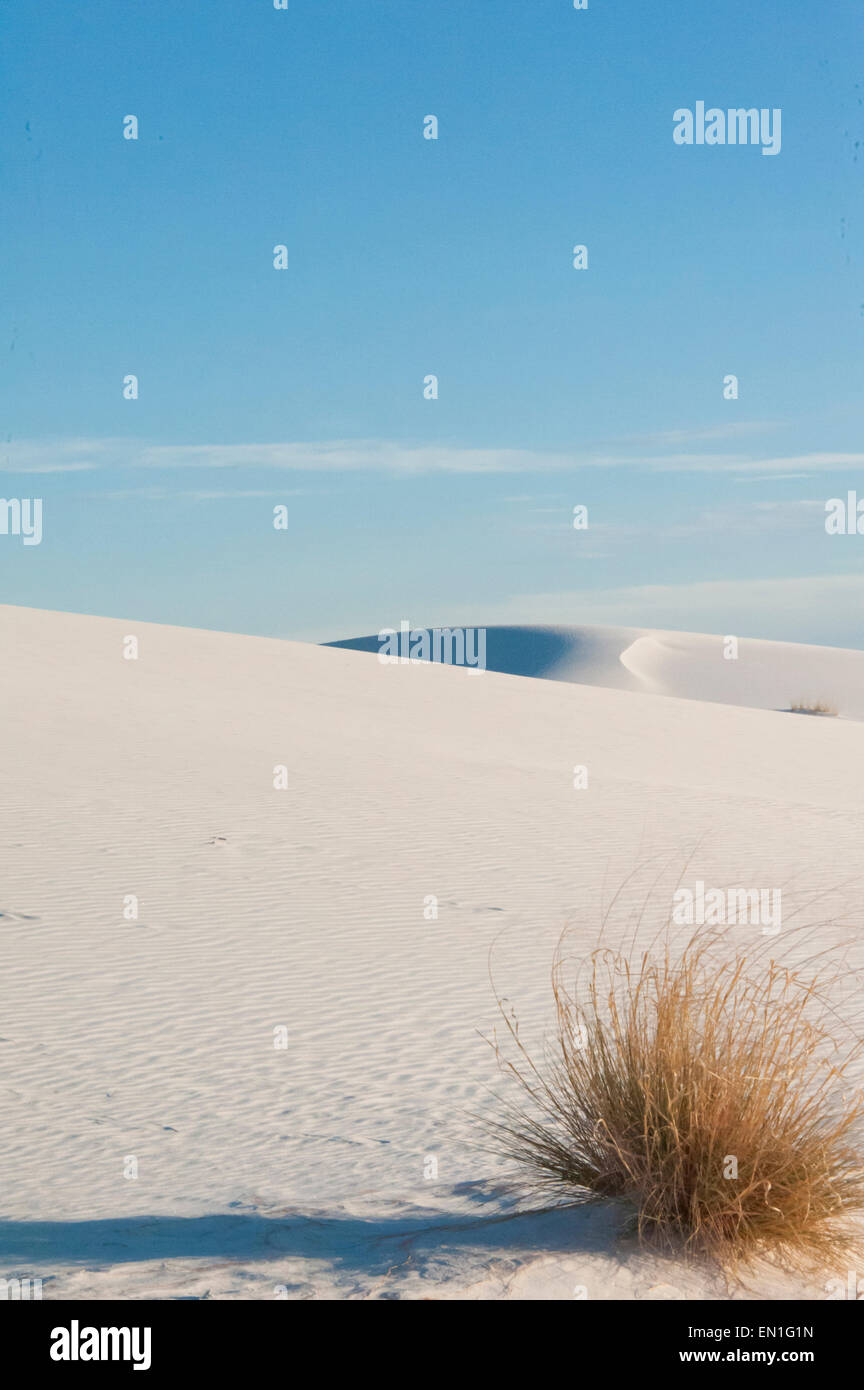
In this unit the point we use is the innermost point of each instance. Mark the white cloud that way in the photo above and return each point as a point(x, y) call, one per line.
point(274, 494)
point(62, 455)
point(355, 455)
point(385, 456)
point(732, 429)
point(731, 463)
point(823, 609)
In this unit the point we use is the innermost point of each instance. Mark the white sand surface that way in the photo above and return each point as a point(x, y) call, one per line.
point(303, 1170)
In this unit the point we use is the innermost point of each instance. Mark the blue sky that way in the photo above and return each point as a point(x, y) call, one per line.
point(408, 257)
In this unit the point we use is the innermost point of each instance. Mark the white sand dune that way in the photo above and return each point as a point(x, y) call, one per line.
point(305, 1170)
point(689, 665)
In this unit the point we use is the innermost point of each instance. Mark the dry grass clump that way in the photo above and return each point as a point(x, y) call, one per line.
point(708, 1092)
point(812, 707)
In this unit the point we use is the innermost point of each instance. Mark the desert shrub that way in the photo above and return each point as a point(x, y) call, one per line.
point(710, 1091)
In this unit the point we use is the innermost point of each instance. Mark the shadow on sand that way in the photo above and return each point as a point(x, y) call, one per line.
point(514, 651)
point(348, 1243)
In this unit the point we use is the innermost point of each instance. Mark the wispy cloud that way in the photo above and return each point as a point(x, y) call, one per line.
point(31, 456)
point(798, 609)
point(670, 439)
point(356, 455)
point(787, 515)
point(386, 456)
point(58, 455)
point(724, 522)
point(162, 494)
point(801, 464)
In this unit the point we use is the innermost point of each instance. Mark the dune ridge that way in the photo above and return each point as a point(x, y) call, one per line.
point(687, 665)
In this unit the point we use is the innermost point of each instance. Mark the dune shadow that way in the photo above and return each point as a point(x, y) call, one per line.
point(347, 1243)
point(513, 651)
